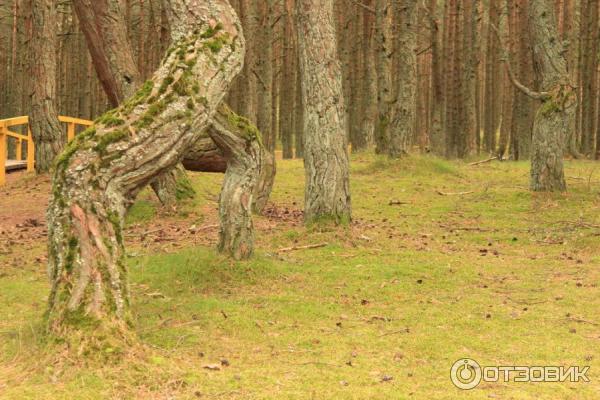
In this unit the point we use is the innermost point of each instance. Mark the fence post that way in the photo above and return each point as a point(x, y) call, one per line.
point(19, 150)
point(70, 131)
point(2, 154)
point(30, 151)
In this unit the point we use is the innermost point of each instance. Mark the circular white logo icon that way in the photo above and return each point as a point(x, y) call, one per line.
point(465, 374)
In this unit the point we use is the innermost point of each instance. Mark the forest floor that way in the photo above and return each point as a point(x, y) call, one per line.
point(443, 261)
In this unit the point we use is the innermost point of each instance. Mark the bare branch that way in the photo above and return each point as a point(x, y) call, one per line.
point(506, 59)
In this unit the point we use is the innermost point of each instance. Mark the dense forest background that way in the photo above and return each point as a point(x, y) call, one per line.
point(463, 102)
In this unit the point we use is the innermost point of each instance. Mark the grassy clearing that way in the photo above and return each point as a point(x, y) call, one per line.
point(500, 275)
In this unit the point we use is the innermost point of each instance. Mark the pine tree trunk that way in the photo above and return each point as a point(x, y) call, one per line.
point(556, 116)
point(103, 169)
point(327, 193)
point(105, 31)
point(436, 135)
point(403, 124)
point(385, 93)
point(493, 81)
point(45, 128)
point(589, 75)
point(243, 152)
point(287, 85)
point(368, 84)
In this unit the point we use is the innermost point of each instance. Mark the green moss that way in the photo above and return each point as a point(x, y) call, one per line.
point(190, 104)
point(196, 88)
point(249, 131)
point(115, 220)
point(139, 97)
point(108, 139)
point(165, 84)
point(151, 113)
point(550, 106)
point(72, 247)
point(215, 45)
point(184, 188)
point(211, 32)
point(110, 120)
point(78, 318)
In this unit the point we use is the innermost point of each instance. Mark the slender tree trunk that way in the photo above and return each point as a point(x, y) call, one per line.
point(101, 172)
point(493, 83)
point(287, 85)
point(45, 128)
point(298, 117)
point(105, 31)
point(436, 135)
point(385, 93)
point(327, 193)
point(589, 75)
point(403, 125)
point(368, 84)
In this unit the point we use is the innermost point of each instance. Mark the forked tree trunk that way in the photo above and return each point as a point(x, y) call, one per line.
point(556, 117)
point(45, 128)
point(103, 169)
point(327, 193)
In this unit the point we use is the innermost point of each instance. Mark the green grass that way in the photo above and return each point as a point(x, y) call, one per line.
point(500, 275)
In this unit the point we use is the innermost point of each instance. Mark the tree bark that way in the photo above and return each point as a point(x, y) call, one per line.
point(102, 170)
point(327, 193)
point(436, 135)
point(385, 94)
point(105, 31)
point(556, 116)
point(243, 152)
point(403, 124)
point(46, 130)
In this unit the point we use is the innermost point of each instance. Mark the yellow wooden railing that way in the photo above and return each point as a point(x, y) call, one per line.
point(5, 133)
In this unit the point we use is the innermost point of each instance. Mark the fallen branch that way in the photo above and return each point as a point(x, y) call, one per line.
point(309, 246)
point(483, 161)
point(453, 194)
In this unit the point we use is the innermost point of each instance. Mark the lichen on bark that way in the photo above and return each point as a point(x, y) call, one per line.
point(102, 171)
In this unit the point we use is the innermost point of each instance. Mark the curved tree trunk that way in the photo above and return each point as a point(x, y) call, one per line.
point(556, 117)
point(205, 156)
point(327, 193)
point(103, 169)
point(241, 145)
point(45, 128)
point(104, 27)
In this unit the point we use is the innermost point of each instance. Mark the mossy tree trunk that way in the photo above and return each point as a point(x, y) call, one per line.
point(102, 170)
point(327, 192)
point(105, 30)
point(241, 145)
point(104, 26)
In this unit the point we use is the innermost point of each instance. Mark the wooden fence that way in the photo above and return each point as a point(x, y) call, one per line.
point(22, 123)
